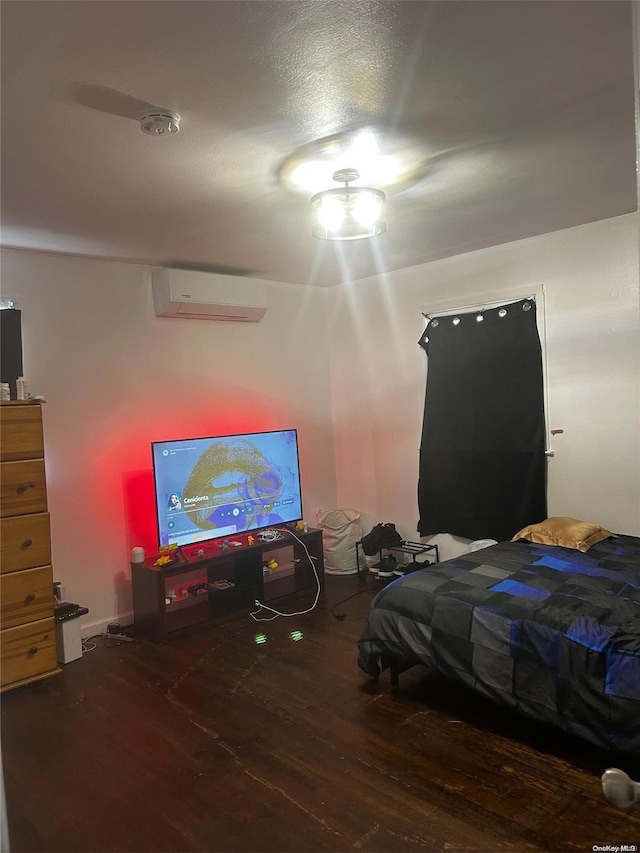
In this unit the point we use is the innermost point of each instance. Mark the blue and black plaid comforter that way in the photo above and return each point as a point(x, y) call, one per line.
point(548, 631)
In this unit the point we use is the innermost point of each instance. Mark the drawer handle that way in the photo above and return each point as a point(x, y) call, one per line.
point(27, 544)
point(33, 650)
point(31, 597)
point(22, 488)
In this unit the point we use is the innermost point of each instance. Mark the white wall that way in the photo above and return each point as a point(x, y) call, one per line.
point(116, 377)
point(591, 280)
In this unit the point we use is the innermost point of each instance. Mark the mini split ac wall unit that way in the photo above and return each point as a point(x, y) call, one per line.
point(207, 296)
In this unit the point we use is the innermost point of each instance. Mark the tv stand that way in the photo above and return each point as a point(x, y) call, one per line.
point(197, 590)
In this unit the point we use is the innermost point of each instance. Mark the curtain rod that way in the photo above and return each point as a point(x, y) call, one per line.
point(482, 306)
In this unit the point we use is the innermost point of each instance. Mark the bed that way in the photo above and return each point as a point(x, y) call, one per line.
point(548, 631)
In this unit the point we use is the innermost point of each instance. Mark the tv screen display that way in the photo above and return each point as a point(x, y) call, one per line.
point(208, 488)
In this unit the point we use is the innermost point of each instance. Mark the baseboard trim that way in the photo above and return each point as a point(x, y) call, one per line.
point(99, 626)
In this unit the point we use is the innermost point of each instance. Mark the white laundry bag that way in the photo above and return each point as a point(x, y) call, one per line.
point(341, 529)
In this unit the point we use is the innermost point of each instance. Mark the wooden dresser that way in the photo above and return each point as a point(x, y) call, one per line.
point(27, 624)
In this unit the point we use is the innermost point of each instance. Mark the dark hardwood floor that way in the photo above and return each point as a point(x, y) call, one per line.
point(218, 742)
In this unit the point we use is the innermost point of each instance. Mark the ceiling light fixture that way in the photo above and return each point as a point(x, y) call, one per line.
point(348, 213)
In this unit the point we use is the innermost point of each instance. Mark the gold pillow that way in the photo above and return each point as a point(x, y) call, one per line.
point(564, 531)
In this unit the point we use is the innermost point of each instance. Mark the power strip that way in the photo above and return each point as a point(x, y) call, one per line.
point(122, 637)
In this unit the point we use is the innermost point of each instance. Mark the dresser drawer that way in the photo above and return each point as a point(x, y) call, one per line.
point(26, 596)
point(28, 651)
point(25, 542)
point(21, 430)
point(23, 488)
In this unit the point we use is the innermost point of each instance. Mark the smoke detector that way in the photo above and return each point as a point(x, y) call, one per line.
point(157, 122)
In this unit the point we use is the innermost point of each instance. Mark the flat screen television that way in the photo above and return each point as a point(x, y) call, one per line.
point(209, 488)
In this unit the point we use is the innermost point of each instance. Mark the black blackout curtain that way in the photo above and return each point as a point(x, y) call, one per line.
point(482, 456)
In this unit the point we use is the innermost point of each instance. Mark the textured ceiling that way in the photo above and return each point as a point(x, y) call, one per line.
point(523, 113)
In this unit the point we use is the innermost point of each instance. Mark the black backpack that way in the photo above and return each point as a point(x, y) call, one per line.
point(381, 536)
